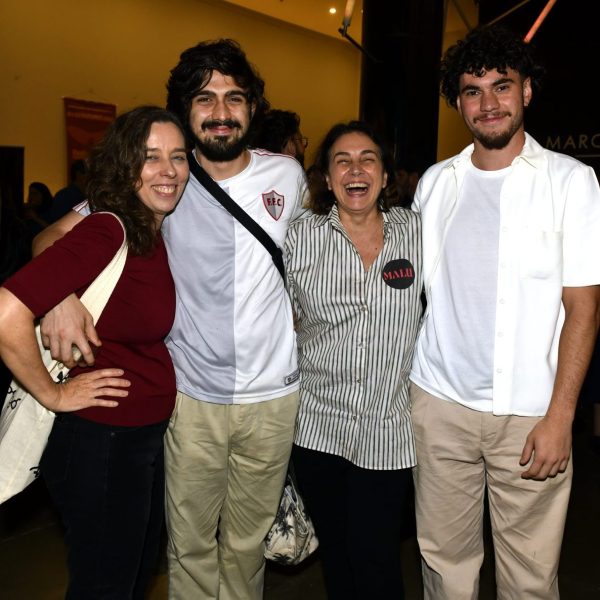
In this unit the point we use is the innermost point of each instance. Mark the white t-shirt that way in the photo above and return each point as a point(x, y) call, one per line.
point(233, 338)
point(458, 336)
point(548, 240)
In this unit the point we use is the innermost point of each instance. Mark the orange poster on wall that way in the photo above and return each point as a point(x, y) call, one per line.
point(86, 122)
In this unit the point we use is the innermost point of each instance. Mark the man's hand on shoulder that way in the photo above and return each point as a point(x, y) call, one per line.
point(70, 324)
point(547, 448)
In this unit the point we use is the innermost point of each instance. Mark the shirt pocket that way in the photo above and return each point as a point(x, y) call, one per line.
point(541, 255)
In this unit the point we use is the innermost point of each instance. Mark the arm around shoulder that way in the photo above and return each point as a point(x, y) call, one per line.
point(69, 323)
point(54, 232)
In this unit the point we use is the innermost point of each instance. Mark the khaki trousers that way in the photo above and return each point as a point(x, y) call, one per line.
point(225, 469)
point(460, 453)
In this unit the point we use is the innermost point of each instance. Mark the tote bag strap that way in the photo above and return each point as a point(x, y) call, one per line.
point(101, 289)
point(94, 299)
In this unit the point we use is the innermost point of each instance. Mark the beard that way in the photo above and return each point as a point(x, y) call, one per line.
point(500, 140)
point(222, 148)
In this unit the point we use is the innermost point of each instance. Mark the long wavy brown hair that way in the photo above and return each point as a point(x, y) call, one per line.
point(115, 168)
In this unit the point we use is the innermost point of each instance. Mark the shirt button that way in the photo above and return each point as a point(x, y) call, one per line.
point(358, 380)
point(500, 334)
point(354, 418)
point(502, 301)
point(498, 370)
point(364, 308)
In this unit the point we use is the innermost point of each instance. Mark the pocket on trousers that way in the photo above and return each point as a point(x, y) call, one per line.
point(419, 406)
point(173, 418)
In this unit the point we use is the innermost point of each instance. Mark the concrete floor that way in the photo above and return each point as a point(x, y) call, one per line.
point(32, 554)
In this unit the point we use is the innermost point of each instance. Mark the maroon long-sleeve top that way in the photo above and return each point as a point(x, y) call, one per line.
point(134, 323)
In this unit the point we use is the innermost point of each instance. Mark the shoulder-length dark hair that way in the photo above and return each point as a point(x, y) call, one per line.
point(195, 68)
point(46, 202)
point(115, 167)
point(322, 198)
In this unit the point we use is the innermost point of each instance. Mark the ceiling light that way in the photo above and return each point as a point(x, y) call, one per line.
point(332, 10)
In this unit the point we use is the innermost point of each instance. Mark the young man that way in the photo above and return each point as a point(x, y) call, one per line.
point(511, 236)
point(232, 342)
point(280, 133)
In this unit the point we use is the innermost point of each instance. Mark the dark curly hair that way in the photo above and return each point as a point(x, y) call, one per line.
point(321, 198)
point(195, 69)
point(115, 167)
point(486, 48)
point(277, 128)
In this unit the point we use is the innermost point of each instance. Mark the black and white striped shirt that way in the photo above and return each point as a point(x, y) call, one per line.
point(356, 334)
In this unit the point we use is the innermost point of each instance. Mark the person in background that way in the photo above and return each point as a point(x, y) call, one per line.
point(103, 464)
point(511, 239)
point(407, 185)
point(15, 247)
point(354, 279)
point(37, 209)
point(280, 132)
point(68, 197)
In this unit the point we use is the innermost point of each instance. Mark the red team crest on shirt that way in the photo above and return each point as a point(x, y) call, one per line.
point(273, 203)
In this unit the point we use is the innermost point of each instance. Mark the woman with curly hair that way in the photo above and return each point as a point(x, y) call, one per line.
point(354, 278)
point(103, 463)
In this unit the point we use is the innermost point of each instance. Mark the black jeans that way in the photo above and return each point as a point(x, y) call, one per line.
point(358, 517)
point(108, 485)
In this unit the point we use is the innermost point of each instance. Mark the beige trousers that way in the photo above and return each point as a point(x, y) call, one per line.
point(225, 469)
point(460, 453)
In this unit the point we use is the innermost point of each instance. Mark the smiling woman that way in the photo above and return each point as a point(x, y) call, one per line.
point(144, 147)
point(334, 156)
point(351, 173)
point(354, 279)
point(356, 175)
point(165, 170)
point(103, 463)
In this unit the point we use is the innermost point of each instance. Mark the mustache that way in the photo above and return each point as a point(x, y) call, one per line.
point(493, 115)
point(224, 123)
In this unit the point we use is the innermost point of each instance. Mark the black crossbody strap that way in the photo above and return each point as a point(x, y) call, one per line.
point(239, 213)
